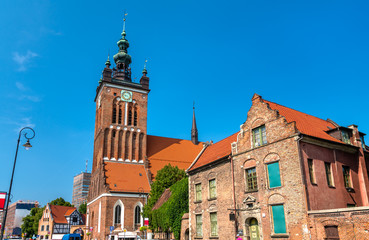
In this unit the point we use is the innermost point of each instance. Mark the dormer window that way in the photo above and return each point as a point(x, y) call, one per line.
point(259, 136)
point(345, 137)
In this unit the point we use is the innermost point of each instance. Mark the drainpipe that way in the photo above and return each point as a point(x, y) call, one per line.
point(234, 198)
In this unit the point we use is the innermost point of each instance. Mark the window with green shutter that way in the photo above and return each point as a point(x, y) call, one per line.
point(274, 175)
point(199, 225)
point(346, 176)
point(328, 173)
point(212, 189)
point(259, 136)
point(198, 196)
point(213, 224)
point(279, 221)
point(251, 179)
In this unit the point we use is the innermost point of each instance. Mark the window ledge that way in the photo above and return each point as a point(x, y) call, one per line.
point(350, 189)
point(200, 201)
point(197, 237)
point(251, 191)
point(211, 199)
point(314, 184)
point(214, 237)
point(280, 235)
point(332, 187)
point(274, 188)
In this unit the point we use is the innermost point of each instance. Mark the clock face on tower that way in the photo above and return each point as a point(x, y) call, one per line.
point(126, 96)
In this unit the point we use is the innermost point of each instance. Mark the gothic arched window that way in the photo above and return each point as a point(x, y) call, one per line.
point(135, 118)
point(120, 116)
point(117, 214)
point(114, 117)
point(137, 215)
point(129, 116)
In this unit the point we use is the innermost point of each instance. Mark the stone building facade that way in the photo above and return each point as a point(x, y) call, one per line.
point(284, 175)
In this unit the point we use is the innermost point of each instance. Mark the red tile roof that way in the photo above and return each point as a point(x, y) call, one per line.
point(69, 212)
point(306, 124)
point(162, 150)
point(163, 198)
point(126, 177)
point(216, 151)
point(59, 213)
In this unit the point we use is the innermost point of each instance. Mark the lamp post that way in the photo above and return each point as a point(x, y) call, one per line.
point(27, 145)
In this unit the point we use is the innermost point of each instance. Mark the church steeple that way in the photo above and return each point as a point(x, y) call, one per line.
point(122, 59)
point(194, 135)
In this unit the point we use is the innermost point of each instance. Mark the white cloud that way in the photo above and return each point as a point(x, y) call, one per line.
point(20, 86)
point(23, 60)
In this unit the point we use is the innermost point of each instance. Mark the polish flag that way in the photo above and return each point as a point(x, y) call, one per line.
point(2, 200)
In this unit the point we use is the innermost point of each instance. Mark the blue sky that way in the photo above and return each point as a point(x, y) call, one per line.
point(308, 55)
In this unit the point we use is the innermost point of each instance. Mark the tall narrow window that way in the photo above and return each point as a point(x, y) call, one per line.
point(274, 175)
point(112, 144)
point(331, 233)
point(129, 116)
point(114, 117)
point(105, 150)
point(251, 179)
point(135, 118)
point(198, 196)
point(42, 228)
point(311, 171)
point(134, 136)
point(120, 116)
point(346, 176)
point(345, 137)
point(120, 138)
point(140, 144)
point(213, 225)
point(328, 173)
point(259, 136)
point(117, 214)
point(126, 148)
point(279, 221)
point(137, 215)
point(212, 189)
point(199, 225)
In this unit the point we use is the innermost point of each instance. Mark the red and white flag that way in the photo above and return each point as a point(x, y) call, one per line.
point(2, 200)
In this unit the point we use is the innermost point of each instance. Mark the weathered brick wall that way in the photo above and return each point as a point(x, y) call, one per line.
point(281, 147)
point(223, 204)
point(352, 223)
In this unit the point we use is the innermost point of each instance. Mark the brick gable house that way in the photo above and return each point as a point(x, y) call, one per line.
point(126, 159)
point(284, 175)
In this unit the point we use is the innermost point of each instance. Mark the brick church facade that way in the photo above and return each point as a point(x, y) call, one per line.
point(284, 175)
point(126, 159)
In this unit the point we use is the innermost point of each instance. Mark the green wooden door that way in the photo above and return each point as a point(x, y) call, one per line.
point(254, 229)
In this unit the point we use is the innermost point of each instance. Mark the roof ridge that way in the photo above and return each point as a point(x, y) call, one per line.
point(297, 111)
point(169, 137)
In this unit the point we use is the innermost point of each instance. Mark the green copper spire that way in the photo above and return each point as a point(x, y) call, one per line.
point(122, 59)
point(107, 63)
point(144, 71)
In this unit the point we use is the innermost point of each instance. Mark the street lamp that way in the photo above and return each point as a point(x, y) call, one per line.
point(27, 145)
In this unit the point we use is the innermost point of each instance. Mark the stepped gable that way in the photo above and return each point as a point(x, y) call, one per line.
point(305, 123)
point(59, 213)
point(215, 152)
point(128, 177)
point(162, 151)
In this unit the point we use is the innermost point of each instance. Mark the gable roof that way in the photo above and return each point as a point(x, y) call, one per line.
point(215, 152)
point(126, 177)
point(59, 213)
point(69, 212)
point(178, 152)
point(305, 123)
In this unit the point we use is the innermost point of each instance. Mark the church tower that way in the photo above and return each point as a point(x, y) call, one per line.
point(119, 178)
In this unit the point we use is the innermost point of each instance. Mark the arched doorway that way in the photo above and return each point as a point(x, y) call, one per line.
point(187, 234)
point(253, 229)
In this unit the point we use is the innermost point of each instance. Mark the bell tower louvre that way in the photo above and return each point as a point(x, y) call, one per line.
point(125, 158)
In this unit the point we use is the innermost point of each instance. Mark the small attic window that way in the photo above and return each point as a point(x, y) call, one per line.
point(141, 174)
point(345, 137)
point(115, 185)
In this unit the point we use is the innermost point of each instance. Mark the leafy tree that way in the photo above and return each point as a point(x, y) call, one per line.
point(168, 217)
point(165, 178)
point(30, 222)
point(83, 208)
point(61, 202)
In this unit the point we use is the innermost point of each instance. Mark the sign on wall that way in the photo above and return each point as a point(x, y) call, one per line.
point(2, 200)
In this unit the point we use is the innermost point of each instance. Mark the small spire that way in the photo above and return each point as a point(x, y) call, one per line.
point(124, 22)
point(194, 134)
point(100, 81)
point(107, 63)
point(144, 71)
